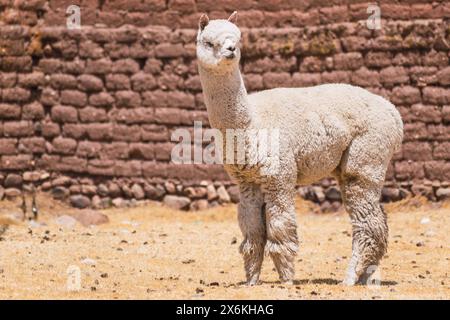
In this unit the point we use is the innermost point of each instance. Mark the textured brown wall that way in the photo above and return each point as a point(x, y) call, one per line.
point(101, 102)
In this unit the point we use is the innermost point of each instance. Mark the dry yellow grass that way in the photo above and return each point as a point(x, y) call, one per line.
point(151, 252)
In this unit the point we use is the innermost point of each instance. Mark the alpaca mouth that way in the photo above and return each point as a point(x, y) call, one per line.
point(230, 56)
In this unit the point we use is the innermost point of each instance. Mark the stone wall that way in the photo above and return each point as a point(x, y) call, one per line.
point(87, 114)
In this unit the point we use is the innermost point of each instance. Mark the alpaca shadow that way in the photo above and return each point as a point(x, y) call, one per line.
point(328, 281)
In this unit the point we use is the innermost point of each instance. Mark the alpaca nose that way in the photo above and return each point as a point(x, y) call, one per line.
point(231, 48)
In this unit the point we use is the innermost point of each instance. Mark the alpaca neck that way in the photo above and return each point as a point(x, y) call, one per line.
point(226, 99)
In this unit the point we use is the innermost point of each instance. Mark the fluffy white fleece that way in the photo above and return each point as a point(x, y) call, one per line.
point(334, 130)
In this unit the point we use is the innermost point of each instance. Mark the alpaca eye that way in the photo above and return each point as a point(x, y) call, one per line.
point(209, 44)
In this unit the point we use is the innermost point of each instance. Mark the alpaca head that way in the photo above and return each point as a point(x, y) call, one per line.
point(218, 43)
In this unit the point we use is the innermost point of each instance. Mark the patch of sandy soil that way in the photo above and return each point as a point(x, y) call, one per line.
point(152, 252)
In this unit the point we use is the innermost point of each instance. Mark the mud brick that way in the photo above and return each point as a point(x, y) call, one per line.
point(443, 76)
point(423, 75)
point(50, 129)
point(117, 50)
point(10, 111)
point(336, 77)
point(437, 170)
point(49, 97)
point(436, 95)
point(442, 151)
point(253, 82)
point(64, 114)
point(127, 66)
point(365, 78)
point(61, 81)
point(127, 99)
point(16, 64)
point(72, 164)
point(73, 98)
point(446, 113)
point(99, 66)
point(90, 49)
point(154, 169)
point(415, 131)
point(169, 81)
point(396, 11)
point(144, 151)
point(91, 114)
point(102, 99)
point(407, 170)
point(90, 83)
point(273, 80)
point(100, 131)
point(348, 61)
point(8, 146)
point(137, 115)
point(8, 80)
point(355, 43)
point(66, 146)
point(161, 99)
point(15, 94)
point(153, 66)
point(405, 95)
point(18, 129)
point(100, 35)
point(168, 50)
point(378, 59)
point(438, 132)
point(31, 80)
point(11, 47)
point(117, 82)
point(73, 130)
point(18, 162)
point(143, 82)
point(417, 151)
point(311, 64)
point(132, 168)
point(114, 150)
point(171, 116)
point(407, 59)
point(391, 76)
point(32, 145)
point(153, 132)
point(101, 167)
point(126, 35)
point(50, 66)
point(426, 113)
point(126, 133)
point(435, 58)
point(75, 67)
point(163, 151)
point(30, 4)
point(88, 149)
point(306, 79)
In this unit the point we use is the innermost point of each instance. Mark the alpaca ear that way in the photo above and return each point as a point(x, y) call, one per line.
point(203, 22)
point(233, 17)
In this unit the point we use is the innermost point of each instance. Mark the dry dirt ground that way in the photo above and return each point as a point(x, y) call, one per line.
point(151, 252)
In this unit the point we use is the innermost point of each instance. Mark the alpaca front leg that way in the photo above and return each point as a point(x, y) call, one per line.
point(282, 240)
point(252, 224)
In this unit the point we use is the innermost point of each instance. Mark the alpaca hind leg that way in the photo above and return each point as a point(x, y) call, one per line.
point(252, 224)
point(282, 240)
point(369, 227)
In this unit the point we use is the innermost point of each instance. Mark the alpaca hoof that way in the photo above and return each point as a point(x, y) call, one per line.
point(252, 281)
point(349, 282)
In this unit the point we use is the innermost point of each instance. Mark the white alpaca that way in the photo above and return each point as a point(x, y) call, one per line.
point(329, 130)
